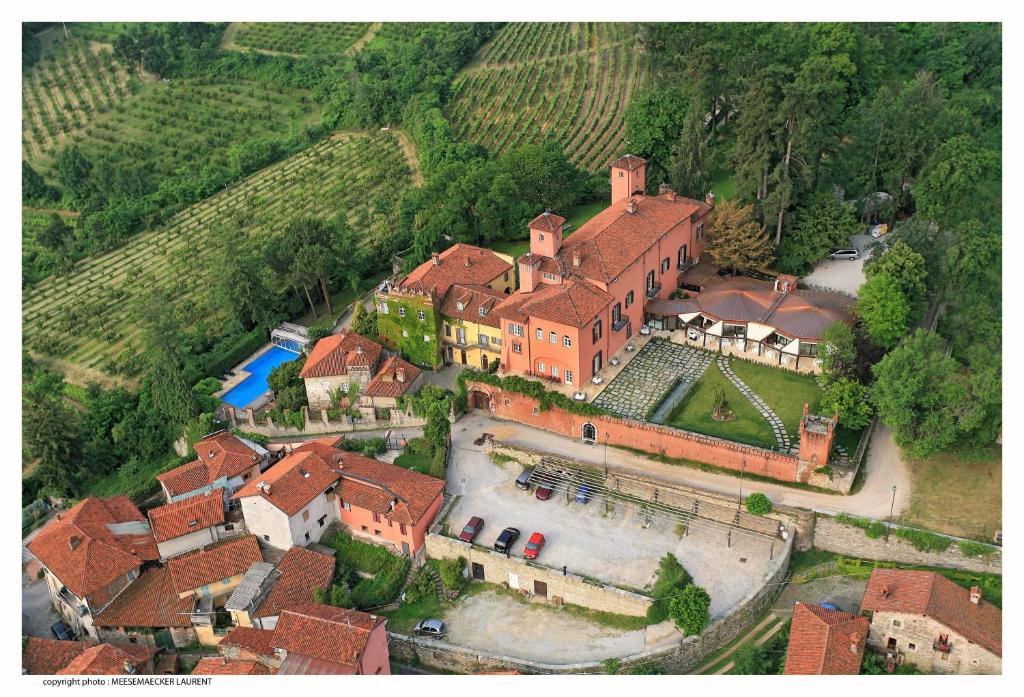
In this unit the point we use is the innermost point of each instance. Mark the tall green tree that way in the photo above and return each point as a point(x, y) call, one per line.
point(238, 283)
point(958, 183)
point(850, 399)
point(735, 239)
point(52, 433)
point(689, 609)
point(907, 268)
point(692, 162)
point(838, 351)
point(821, 226)
point(166, 356)
point(883, 309)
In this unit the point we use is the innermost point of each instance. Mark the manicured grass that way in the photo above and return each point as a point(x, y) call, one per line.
point(722, 185)
point(955, 496)
point(784, 391)
point(694, 413)
point(410, 461)
point(577, 216)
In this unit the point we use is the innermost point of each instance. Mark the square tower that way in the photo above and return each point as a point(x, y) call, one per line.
point(546, 234)
point(628, 177)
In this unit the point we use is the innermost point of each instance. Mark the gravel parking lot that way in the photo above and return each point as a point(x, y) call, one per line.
point(615, 549)
point(841, 274)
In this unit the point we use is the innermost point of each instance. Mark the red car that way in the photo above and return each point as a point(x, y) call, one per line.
point(472, 529)
point(544, 491)
point(534, 546)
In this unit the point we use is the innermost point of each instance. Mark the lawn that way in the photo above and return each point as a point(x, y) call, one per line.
point(784, 391)
point(576, 217)
point(417, 463)
point(694, 412)
point(961, 497)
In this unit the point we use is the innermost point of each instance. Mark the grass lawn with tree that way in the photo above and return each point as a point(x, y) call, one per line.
point(695, 412)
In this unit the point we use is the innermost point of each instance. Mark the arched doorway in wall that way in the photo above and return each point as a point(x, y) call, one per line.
point(480, 400)
point(589, 433)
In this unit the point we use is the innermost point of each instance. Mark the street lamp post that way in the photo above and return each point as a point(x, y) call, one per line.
point(892, 506)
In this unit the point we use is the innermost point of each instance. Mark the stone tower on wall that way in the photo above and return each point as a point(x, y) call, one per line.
point(816, 435)
point(628, 177)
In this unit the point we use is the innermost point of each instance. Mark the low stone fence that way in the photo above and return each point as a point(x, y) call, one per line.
point(681, 657)
point(536, 581)
point(834, 536)
point(317, 421)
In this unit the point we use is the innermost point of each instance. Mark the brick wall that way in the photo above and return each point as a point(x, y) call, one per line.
point(850, 540)
point(652, 438)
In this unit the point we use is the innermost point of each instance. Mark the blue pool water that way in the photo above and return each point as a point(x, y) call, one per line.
point(246, 392)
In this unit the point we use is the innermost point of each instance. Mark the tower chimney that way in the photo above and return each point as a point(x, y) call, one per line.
point(467, 261)
point(631, 206)
point(576, 257)
point(74, 541)
point(437, 258)
point(976, 595)
point(628, 177)
point(400, 373)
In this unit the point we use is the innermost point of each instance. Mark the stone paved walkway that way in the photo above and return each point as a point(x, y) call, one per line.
point(642, 383)
point(778, 428)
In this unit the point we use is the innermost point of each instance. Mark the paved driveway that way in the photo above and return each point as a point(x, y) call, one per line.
point(36, 612)
point(614, 548)
point(841, 274)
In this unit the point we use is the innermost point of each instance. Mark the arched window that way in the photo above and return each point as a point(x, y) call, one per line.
point(589, 433)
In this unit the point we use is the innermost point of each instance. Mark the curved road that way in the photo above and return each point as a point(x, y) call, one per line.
point(885, 468)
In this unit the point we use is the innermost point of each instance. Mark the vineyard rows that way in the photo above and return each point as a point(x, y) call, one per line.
point(70, 87)
point(566, 82)
point(84, 317)
point(300, 37)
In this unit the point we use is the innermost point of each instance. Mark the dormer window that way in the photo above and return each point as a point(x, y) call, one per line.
point(460, 306)
point(483, 311)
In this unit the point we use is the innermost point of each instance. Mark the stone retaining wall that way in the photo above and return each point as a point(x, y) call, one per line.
point(317, 422)
point(849, 540)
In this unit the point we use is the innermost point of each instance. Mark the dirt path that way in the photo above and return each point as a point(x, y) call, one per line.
point(409, 148)
point(753, 630)
point(364, 39)
point(768, 635)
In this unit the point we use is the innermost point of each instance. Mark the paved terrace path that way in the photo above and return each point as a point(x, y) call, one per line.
point(885, 469)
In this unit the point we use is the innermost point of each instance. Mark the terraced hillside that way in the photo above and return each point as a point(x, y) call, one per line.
point(83, 318)
point(186, 123)
point(299, 38)
point(74, 83)
point(570, 82)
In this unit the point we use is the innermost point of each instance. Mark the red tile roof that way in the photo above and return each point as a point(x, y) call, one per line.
point(373, 485)
point(294, 481)
point(150, 601)
point(47, 656)
point(187, 515)
point(81, 550)
point(386, 382)
point(573, 302)
point(825, 642)
point(548, 222)
point(301, 571)
point(204, 566)
point(220, 455)
point(472, 298)
point(460, 263)
point(257, 642)
point(327, 633)
point(333, 355)
point(933, 595)
point(629, 162)
point(216, 665)
point(108, 659)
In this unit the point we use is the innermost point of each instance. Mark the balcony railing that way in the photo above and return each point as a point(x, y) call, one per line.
point(618, 325)
point(684, 265)
point(653, 290)
point(942, 646)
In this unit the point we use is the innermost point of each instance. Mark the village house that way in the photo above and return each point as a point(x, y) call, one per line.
point(396, 378)
point(215, 665)
point(192, 523)
point(471, 331)
point(149, 612)
point(825, 642)
point(580, 301)
point(266, 589)
point(90, 554)
point(314, 639)
point(52, 657)
point(292, 503)
point(223, 461)
point(923, 618)
point(386, 503)
point(410, 312)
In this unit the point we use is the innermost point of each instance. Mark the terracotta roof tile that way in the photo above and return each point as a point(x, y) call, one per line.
point(333, 355)
point(108, 659)
point(216, 665)
point(327, 633)
point(256, 642)
point(483, 267)
point(221, 455)
point(294, 481)
point(825, 642)
point(47, 656)
point(187, 515)
point(185, 478)
point(81, 550)
point(150, 601)
point(573, 302)
point(301, 570)
point(548, 222)
point(629, 162)
point(933, 595)
point(203, 566)
point(373, 485)
point(386, 383)
point(472, 298)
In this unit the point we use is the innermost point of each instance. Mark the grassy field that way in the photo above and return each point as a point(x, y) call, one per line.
point(104, 32)
point(575, 217)
point(84, 317)
point(784, 391)
point(694, 412)
point(73, 84)
point(569, 82)
point(957, 497)
point(303, 38)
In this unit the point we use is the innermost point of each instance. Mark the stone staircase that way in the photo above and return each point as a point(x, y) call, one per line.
point(778, 428)
point(438, 586)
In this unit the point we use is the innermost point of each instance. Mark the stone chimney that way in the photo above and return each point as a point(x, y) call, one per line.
point(400, 373)
point(437, 258)
point(631, 206)
point(709, 198)
point(576, 257)
point(884, 592)
point(855, 642)
point(74, 541)
point(663, 188)
point(467, 261)
point(976, 595)
point(785, 283)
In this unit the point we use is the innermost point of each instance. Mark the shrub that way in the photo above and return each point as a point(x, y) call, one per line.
point(420, 447)
point(969, 548)
point(370, 447)
point(611, 665)
point(647, 669)
point(421, 588)
point(671, 579)
point(689, 609)
point(759, 504)
point(452, 573)
point(923, 540)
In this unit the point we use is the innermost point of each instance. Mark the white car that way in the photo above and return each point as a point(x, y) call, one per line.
point(850, 254)
point(879, 230)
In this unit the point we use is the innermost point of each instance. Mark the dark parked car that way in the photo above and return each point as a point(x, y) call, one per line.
point(506, 539)
point(534, 546)
point(544, 491)
point(472, 529)
point(582, 494)
point(434, 628)
point(523, 480)
point(61, 631)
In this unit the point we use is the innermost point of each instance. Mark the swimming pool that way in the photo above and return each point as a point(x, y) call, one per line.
point(249, 390)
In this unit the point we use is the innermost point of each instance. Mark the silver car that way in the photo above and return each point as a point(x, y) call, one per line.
point(432, 628)
point(850, 254)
